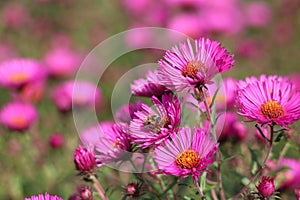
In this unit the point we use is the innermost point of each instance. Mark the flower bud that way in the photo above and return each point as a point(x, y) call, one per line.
point(266, 186)
point(84, 160)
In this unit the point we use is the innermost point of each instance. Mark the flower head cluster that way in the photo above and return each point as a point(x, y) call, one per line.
point(269, 100)
point(153, 127)
point(187, 153)
point(193, 64)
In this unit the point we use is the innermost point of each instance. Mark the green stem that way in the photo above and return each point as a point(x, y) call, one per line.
point(261, 167)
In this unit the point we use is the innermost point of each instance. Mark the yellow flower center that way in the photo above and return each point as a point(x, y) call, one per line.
point(272, 110)
point(154, 123)
point(192, 68)
point(19, 122)
point(19, 78)
point(188, 159)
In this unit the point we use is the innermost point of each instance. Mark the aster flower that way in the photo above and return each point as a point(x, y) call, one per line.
point(148, 87)
point(15, 73)
point(18, 116)
point(113, 145)
point(269, 100)
point(134, 190)
point(153, 127)
point(79, 94)
point(266, 186)
point(62, 62)
point(126, 113)
point(56, 140)
point(289, 173)
point(193, 64)
point(45, 196)
point(186, 153)
point(84, 160)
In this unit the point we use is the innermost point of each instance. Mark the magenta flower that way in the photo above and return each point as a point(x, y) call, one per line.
point(153, 127)
point(289, 174)
point(45, 196)
point(266, 186)
point(79, 94)
point(15, 73)
point(186, 153)
point(269, 100)
point(84, 160)
point(18, 116)
point(82, 193)
point(126, 113)
point(62, 62)
point(113, 145)
point(56, 140)
point(297, 192)
point(148, 87)
point(193, 64)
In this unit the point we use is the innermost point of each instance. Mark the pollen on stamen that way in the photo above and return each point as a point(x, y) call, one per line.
point(188, 159)
point(272, 110)
point(192, 68)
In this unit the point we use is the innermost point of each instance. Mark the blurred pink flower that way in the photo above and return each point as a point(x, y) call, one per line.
point(138, 37)
point(269, 100)
point(62, 62)
point(56, 140)
point(18, 116)
point(127, 112)
point(186, 153)
point(289, 176)
point(6, 52)
point(258, 13)
point(250, 48)
point(152, 127)
point(15, 73)
point(297, 192)
point(84, 160)
point(76, 93)
point(266, 186)
point(187, 23)
point(230, 127)
point(15, 15)
point(45, 196)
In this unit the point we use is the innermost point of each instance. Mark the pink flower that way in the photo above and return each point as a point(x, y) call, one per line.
point(62, 62)
point(297, 192)
point(193, 64)
point(84, 160)
point(230, 127)
point(83, 193)
point(79, 93)
point(56, 140)
point(258, 14)
point(15, 15)
point(148, 87)
point(127, 112)
point(18, 116)
point(45, 196)
point(187, 24)
point(269, 100)
point(114, 145)
point(186, 153)
point(15, 73)
point(266, 186)
point(289, 174)
point(153, 127)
